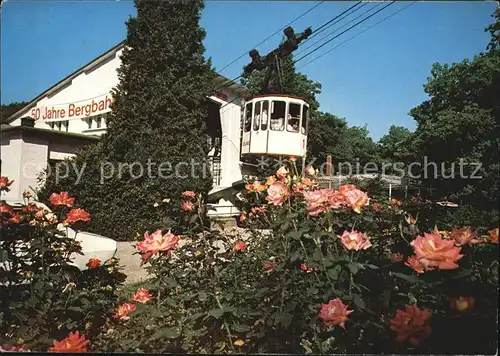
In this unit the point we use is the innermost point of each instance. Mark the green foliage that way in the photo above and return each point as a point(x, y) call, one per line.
point(458, 123)
point(158, 123)
point(395, 146)
point(8, 110)
point(43, 296)
point(494, 30)
point(214, 295)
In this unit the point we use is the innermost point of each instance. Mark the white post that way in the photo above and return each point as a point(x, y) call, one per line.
point(390, 191)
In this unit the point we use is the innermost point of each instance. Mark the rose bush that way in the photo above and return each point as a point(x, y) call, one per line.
point(336, 271)
point(45, 304)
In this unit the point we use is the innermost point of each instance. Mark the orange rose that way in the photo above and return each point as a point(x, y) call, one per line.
point(282, 172)
point(6, 208)
point(355, 240)
point(258, 210)
point(93, 263)
point(270, 180)
point(322, 200)
point(354, 197)
point(464, 236)
point(277, 194)
point(157, 242)
point(256, 187)
point(334, 313)
point(239, 246)
point(188, 194)
point(433, 252)
point(141, 296)
point(310, 171)
point(123, 310)
point(411, 324)
point(75, 215)
point(5, 184)
point(74, 342)
point(187, 206)
point(270, 266)
point(317, 201)
point(62, 198)
point(15, 219)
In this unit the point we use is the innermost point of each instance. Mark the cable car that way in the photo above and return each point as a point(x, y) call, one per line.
point(274, 123)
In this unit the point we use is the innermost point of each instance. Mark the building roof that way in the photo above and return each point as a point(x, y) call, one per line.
point(39, 131)
point(221, 82)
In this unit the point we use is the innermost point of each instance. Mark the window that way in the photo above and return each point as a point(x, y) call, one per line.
point(96, 121)
point(305, 119)
point(248, 117)
point(278, 109)
point(293, 118)
point(265, 116)
point(256, 117)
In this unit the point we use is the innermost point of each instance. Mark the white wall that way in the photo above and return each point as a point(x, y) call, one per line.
point(10, 153)
point(98, 83)
point(94, 84)
point(24, 157)
point(34, 159)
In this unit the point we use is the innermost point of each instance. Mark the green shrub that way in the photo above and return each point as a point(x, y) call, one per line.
point(284, 292)
point(43, 297)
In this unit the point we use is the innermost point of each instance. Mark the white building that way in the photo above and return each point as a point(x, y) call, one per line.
point(72, 113)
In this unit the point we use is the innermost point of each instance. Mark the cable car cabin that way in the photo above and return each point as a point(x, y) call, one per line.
point(275, 124)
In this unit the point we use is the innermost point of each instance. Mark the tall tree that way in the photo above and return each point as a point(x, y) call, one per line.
point(494, 30)
point(395, 145)
point(8, 110)
point(459, 126)
point(326, 134)
point(156, 125)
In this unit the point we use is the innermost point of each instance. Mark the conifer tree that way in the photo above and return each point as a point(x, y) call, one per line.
point(156, 126)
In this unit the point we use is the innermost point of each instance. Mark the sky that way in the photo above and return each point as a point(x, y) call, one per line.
point(374, 79)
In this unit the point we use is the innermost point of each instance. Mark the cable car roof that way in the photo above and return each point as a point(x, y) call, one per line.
point(278, 95)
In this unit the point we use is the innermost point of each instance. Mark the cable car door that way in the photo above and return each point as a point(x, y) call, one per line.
point(303, 130)
point(246, 126)
point(260, 124)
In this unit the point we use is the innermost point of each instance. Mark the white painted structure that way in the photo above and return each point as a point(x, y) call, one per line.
point(73, 113)
point(265, 130)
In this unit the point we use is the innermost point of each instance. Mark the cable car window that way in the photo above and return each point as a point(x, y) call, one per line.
point(248, 117)
point(264, 116)
point(293, 118)
point(305, 119)
point(256, 117)
point(278, 109)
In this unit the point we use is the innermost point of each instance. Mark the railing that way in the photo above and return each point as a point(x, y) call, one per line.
point(215, 169)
